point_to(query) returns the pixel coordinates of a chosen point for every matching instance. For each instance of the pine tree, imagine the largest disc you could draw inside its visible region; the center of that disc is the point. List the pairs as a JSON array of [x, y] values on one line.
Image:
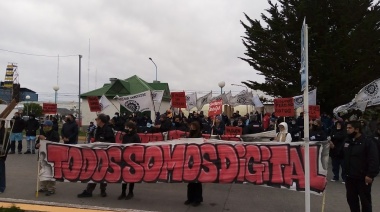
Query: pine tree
[[344, 45]]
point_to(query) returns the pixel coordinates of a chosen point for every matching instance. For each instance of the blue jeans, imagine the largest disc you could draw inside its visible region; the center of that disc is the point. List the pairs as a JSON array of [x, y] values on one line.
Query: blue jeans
[[2, 175], [338, 163]]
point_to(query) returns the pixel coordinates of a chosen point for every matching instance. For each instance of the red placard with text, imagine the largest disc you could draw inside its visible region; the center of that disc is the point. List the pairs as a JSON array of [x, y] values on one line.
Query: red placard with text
[[314, 111], [233, 130], [49, 108], [284, 107], [178, 99], [93, 103], [215, 108]]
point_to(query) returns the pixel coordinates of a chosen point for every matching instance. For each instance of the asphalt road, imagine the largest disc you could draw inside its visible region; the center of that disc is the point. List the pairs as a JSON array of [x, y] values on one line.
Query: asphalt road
[[21, 171]]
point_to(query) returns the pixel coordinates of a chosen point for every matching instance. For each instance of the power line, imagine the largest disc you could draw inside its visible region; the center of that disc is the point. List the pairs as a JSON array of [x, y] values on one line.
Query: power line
[[37, 55]]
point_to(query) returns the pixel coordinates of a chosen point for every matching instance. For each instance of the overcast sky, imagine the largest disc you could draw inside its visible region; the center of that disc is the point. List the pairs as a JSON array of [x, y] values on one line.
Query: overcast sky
[[195, 44]]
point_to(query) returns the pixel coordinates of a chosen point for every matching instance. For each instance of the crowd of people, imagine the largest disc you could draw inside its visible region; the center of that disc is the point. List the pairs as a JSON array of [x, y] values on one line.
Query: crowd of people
[[354, 143]]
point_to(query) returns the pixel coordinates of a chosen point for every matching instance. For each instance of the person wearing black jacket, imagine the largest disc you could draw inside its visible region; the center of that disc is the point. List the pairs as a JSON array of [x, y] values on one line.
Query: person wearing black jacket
[[179, 125], [3, 155], [32, 125], [336, 140], [69, 131], [130, 137], [362, 165], [18, 126], [103, 133], [194, 190], [317, 133], [165, 124]]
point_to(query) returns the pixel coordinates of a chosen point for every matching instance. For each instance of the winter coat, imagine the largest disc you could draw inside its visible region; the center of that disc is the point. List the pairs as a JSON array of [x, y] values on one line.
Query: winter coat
[[284, 136], [32, 125], [70, 130]]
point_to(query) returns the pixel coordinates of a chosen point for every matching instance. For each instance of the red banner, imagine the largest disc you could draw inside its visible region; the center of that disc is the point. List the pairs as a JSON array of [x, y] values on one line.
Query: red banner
[[314, 112], [284, 107], [178, 99], [213, 161], [215, 108], [93, 103], [233, 130], [49, 108]]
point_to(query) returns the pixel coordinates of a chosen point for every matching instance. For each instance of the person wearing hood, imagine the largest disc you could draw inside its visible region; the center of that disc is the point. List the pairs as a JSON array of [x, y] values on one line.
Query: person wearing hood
[[294, 130], [69, 131], [283, 135]]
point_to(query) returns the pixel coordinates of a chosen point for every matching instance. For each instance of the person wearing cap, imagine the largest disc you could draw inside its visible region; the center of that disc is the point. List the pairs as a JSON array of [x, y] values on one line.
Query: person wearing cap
[[283, 135], [103, 133], [47, 182]]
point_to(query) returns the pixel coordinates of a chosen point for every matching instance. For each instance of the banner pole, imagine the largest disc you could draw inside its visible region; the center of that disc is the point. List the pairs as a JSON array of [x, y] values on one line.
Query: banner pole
[[306, 124]]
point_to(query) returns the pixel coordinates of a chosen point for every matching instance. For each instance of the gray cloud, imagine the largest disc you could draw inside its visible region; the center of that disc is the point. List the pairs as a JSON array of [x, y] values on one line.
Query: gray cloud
[[195, 44]]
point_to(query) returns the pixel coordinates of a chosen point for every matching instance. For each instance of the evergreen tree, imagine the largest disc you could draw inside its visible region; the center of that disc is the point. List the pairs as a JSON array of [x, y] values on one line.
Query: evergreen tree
[[344, 45]]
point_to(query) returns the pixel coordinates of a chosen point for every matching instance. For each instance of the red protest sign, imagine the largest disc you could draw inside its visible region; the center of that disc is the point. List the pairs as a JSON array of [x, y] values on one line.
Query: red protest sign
[[49, 108], [284, 107], [314, 111], [93, 103], [233, 130], [215, 108], [178, 99]]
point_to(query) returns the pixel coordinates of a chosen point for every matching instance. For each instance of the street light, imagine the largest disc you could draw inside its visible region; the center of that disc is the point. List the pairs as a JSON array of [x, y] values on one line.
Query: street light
[[221, 85], [154, 65], [55, 88], [27, 97], [246, 88]]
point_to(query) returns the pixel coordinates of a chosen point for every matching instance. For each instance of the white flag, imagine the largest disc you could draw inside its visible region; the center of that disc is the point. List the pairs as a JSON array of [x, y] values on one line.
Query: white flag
[[256, 101], [228, 97], [370, 93], [137, 102], [191, 101], [104, 102], [242, 98], [298, 100], [157, 96], [203, 100], [222, 97]]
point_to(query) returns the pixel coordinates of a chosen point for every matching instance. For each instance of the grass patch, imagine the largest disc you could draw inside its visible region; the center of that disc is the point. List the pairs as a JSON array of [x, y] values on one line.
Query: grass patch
[[11, 209]]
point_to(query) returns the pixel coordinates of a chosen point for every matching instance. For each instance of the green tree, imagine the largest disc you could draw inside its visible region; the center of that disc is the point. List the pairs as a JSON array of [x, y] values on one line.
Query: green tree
[[32, 108], [343, 48]]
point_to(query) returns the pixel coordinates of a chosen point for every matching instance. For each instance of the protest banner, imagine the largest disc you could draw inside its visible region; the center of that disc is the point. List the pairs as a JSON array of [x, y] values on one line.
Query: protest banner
[[178, 99], [284, 107], [233, 130], [215, 108], [93, 103], [314, 112], [49, 108], [187, 160], [139, 102]]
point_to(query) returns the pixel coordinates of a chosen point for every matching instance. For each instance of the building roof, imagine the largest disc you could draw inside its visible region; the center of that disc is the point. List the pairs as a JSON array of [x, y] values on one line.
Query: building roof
[[131, 85]]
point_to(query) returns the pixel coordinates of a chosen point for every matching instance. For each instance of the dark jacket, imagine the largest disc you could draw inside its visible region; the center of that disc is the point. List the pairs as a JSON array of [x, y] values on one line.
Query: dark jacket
[[3, 151], [337, 137], [131, 137], [52, 135], [317, 135], [32, 125], [70, 130], [165, 125], [104, 134], [18, 125], [218, 130], [253, 127], [361, 158]]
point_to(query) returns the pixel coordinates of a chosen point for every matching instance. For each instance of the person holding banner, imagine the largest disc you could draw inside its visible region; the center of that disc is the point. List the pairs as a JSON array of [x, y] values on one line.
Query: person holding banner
[[283, 135], [103, 133], [130, 137], [194, 190]]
